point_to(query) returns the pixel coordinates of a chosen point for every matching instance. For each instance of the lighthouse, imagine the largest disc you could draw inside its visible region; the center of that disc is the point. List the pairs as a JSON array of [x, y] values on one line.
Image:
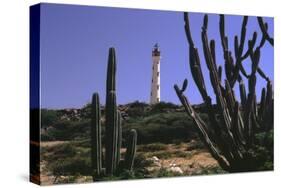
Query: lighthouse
[[155, 82]]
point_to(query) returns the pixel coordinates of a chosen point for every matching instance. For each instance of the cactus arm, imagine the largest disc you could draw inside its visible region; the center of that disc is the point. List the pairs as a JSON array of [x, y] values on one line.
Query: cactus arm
[[264, 31], [239, 47], [262, 74], [237, 126], [229, 97], [194, 60], [220, 72], [202, 130], [251, 44], [213, 51], [247, 54], [262, 42], [255, 114], [222, 35], [96, 154], [262, 105], [250, 48], [243, 96], [269, 106], [243, 35], [196, 71], [111, 71], [131, 150], [236, 46], [249, 110], [119, 140], [187, 30]]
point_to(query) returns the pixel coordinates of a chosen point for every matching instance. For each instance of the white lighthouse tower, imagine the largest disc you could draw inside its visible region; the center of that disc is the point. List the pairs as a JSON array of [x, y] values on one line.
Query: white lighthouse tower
[[155, 82]]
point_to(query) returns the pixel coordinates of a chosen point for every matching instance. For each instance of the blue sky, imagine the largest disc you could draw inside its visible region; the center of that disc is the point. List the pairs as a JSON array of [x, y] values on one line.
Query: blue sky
[[75, 42]]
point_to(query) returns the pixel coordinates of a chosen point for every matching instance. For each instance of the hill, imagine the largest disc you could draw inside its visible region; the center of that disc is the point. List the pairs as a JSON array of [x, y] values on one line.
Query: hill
[[162, 122]]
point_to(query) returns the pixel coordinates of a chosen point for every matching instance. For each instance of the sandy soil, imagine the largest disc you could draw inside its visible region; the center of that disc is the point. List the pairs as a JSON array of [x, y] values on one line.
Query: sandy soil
[[189, 159]]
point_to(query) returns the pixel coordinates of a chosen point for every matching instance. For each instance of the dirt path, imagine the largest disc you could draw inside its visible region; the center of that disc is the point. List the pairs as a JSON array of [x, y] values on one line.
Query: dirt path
[[52, 143], [46, 177]]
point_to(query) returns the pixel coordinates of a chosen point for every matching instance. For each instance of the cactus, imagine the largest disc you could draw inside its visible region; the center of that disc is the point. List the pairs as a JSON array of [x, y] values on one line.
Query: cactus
[[96, 134], [113, 131], [119, 144], [230, 134], [263, 27], [131, 150]]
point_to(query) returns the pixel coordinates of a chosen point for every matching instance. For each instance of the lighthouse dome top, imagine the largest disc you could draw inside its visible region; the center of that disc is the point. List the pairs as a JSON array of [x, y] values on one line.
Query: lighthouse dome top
[[156, 50]]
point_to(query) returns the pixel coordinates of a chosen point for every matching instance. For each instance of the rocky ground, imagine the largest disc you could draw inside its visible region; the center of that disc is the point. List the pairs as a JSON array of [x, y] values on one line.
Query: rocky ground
[[181, 159], [165, 160]]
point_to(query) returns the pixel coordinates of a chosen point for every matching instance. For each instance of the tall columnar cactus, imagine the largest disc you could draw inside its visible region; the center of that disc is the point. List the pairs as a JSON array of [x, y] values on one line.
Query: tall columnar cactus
[[113, 130], [230, 133], [111, 133], [96, 135]]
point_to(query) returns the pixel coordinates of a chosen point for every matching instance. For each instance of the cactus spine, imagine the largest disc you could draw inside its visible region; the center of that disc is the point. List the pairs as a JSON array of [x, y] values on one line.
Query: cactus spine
[[229, 137], [113, 130]]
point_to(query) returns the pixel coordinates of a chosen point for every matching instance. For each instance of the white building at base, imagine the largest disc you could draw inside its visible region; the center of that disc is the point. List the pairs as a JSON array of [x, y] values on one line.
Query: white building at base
[[155, 82]]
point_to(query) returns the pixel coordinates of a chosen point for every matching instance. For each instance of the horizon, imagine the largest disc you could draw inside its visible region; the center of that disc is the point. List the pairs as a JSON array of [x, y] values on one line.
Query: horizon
[[103, 105], [74, 49]]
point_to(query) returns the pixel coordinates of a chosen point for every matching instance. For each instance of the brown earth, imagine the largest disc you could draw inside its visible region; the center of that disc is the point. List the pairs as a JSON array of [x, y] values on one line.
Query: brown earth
[[191, 158]]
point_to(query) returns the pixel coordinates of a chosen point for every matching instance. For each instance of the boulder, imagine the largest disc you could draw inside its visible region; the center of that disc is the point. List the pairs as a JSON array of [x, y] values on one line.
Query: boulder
[[175, 169]]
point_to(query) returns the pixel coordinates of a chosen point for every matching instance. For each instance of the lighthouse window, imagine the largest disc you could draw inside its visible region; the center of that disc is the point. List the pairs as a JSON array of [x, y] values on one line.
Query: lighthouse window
[[157, 73], [152, 80], [157, 99], [157, 86]]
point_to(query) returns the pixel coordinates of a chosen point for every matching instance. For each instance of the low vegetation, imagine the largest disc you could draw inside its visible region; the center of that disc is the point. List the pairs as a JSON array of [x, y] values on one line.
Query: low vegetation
[[166, 140]]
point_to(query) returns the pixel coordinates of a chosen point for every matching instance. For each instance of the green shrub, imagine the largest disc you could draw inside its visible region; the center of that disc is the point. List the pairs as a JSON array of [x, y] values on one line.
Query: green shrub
[[163, 107], [157, 123], [49, 117], [59, 151], [141, 161], [46, 137], [137, 109], [263, 150], [163, 172], [69, 130], [71, 166], [162, 127], [182, 154], [195, 145], [209, 171]]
